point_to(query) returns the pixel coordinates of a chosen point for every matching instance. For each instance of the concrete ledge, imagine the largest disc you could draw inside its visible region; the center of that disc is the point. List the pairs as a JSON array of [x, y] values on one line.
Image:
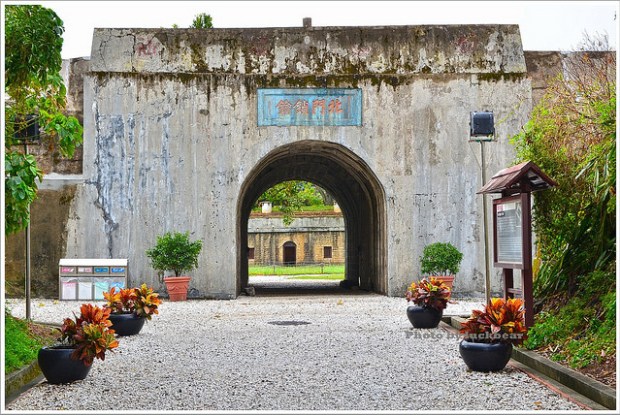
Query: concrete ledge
[[21, 380], [55, 181], [590, 388], [586, 386]]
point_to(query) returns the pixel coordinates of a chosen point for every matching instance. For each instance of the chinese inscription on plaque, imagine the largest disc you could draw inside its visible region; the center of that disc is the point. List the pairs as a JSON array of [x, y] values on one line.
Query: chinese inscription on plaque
[[310, 107]]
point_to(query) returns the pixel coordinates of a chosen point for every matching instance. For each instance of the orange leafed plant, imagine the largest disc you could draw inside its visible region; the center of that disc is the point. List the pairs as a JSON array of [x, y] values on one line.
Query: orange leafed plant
[[431, 293], [89, 334], [146, 302], [501, 321], [142, 301], [121, 301]]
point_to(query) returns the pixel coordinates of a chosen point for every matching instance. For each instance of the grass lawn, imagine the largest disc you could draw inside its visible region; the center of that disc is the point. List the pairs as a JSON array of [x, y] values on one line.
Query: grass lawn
[[305, 270], [319, 277]]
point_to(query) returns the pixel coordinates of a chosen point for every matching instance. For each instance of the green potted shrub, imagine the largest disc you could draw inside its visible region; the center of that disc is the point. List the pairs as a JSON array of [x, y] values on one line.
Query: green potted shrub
[[491, 333], [175, 252], [130, 308], [442, 261], [430, 297], [81, 341]]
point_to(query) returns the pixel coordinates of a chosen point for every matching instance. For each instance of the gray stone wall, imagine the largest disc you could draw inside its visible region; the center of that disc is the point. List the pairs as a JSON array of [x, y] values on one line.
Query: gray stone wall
[[172, 134]]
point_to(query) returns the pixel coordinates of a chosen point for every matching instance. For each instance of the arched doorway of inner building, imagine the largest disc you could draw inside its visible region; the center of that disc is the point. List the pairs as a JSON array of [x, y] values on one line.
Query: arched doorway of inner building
[[289, 253], [350, 180]]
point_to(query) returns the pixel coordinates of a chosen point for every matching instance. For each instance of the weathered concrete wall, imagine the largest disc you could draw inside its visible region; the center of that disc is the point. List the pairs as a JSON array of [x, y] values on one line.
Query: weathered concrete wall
[[398, 50], [268, 234], [542, 67], [49, 215], [171, 127]]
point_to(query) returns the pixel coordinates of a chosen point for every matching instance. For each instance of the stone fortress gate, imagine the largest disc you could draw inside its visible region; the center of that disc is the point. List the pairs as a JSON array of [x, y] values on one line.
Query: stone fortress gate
[[185, 128]]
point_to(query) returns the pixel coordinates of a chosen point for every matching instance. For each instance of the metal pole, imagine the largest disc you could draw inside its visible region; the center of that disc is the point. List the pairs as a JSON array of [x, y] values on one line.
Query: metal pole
[[485, 227], [28, 316], [27, 288]]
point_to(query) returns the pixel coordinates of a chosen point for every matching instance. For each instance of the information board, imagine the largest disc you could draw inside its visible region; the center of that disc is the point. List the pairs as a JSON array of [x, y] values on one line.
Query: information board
[[508, 231]]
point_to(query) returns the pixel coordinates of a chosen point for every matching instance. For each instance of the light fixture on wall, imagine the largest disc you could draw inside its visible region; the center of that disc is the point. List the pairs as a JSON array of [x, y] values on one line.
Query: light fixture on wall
[[482, 126]]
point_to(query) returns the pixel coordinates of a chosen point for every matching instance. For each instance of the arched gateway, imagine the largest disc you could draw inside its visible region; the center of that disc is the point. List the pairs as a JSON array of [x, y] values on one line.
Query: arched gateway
[[349, 179], [184, 128]]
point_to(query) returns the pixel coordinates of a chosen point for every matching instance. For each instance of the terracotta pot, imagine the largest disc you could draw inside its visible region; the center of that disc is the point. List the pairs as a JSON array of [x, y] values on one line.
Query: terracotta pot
[[58, 366], [447, 279], [177, 287], [126, 324], [424, 317]]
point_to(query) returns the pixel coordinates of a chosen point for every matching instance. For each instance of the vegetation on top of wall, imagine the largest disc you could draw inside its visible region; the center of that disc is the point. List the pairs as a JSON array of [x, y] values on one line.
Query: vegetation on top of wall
[[202, 21], [291, 196]]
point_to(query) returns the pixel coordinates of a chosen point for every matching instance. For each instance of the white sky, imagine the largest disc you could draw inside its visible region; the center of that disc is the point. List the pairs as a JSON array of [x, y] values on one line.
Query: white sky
[[545, 25]]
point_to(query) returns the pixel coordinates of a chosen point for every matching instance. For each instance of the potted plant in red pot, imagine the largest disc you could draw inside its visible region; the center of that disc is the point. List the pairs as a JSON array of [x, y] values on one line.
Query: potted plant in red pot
[[430, 297], [130, 308], [82, 340], [175, 252], [491, 333], [441, 260]]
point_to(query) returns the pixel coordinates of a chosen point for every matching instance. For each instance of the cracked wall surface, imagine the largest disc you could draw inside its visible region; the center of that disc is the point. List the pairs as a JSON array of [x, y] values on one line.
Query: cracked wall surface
[[171, 135]]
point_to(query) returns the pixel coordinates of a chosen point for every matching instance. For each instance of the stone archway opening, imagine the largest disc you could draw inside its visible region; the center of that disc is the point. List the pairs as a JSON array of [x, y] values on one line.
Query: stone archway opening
[[352, 183]]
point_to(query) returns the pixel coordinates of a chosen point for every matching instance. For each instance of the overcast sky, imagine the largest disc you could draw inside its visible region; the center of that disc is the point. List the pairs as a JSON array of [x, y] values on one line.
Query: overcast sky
[[556, 25]]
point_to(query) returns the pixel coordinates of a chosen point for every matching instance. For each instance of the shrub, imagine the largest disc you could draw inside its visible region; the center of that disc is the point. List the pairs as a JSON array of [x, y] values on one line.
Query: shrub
[[175, 252], [440, 258]]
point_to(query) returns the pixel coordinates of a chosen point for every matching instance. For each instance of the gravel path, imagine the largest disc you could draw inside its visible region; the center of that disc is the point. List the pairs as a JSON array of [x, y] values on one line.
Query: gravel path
[[358, 352]]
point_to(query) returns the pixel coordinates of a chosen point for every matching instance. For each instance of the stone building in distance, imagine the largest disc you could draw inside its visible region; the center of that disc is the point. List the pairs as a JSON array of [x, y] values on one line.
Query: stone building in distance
[[311, 239]]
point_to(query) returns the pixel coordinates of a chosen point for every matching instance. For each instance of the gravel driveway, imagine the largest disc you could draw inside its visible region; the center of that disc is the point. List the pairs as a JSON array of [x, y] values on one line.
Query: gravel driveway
[[283, 352]]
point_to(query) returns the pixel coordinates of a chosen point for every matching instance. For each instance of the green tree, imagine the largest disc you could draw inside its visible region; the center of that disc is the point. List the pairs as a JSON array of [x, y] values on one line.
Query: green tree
[[33, 42], [572, 137], [202, 21], [290, 196]]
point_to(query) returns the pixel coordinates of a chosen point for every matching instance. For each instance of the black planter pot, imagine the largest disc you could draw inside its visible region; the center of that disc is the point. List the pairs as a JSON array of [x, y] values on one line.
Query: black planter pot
[[58, 366], [126, 324], [485, 357], [423, 317]]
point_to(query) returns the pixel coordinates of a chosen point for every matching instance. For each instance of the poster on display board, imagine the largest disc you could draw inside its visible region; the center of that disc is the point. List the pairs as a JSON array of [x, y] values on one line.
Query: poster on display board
[[508, 241]]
